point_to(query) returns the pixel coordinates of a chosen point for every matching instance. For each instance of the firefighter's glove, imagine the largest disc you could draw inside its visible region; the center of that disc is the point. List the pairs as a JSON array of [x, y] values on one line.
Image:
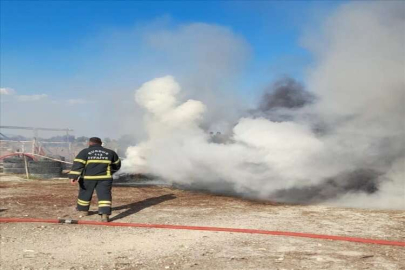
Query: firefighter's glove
[[74, 181]]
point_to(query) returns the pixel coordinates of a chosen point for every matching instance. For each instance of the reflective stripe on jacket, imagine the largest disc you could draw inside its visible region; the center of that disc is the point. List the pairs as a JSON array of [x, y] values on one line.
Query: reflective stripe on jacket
[[95, 163]]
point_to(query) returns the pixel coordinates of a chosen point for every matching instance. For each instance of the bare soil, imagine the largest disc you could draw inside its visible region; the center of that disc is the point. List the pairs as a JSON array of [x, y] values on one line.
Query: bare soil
[[62, 246]]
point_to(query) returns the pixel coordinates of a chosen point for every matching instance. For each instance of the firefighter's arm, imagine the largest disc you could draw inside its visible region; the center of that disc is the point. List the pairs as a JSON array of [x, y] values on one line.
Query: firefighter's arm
[[78, 165], [116, 163]]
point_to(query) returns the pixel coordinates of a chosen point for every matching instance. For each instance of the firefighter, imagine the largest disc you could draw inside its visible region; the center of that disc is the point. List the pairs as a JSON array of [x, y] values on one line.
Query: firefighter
[[93, 168]]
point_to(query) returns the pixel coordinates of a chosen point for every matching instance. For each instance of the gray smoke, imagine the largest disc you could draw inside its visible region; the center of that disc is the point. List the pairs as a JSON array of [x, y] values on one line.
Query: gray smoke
[[285, 93], [282, 100], [358, 181], [357, 158]]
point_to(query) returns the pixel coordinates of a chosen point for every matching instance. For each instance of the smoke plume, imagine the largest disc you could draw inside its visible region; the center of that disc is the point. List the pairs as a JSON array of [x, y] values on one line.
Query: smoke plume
[[282, 100], [286, 93], [357, 159]]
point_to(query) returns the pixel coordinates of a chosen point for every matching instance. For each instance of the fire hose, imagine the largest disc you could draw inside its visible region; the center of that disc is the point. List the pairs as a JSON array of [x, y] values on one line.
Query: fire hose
[[200, 228], [197, 228]]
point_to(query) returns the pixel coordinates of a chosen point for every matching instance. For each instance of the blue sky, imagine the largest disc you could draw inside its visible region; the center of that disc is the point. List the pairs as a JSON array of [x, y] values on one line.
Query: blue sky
[[74, 53]]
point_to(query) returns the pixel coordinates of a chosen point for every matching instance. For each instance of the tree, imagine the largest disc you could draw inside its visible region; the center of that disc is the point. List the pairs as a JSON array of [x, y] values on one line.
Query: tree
[[82, 139]]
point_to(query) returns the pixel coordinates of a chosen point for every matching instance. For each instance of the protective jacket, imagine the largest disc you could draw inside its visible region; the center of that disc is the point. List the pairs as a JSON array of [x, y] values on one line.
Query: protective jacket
[[95, 163]]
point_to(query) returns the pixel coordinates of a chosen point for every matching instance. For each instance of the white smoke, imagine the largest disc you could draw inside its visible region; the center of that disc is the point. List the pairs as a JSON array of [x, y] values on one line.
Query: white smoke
[[207, 59], [360, 80], [360, 84]]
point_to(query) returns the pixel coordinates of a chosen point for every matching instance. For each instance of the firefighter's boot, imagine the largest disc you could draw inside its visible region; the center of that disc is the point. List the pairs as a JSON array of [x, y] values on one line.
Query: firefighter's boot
[[84, 214], [105, 218]]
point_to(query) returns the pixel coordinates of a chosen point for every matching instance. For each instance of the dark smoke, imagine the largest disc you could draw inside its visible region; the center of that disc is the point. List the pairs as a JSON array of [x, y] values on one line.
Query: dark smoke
[[285, 93], [281, 102], [344, 143], [357, 181], [282, 99]]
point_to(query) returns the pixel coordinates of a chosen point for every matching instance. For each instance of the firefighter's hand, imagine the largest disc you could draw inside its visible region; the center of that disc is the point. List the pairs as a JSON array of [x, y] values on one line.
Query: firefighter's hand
[[74, 181]]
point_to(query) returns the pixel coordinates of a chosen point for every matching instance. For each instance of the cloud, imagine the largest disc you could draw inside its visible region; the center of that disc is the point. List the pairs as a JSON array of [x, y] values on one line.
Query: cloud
[[77, 101], [27, 98], [23, 98], [7, 91]]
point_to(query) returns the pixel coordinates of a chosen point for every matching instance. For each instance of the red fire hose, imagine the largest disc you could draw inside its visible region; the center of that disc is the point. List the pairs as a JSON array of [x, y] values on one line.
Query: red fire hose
[[212, 229]]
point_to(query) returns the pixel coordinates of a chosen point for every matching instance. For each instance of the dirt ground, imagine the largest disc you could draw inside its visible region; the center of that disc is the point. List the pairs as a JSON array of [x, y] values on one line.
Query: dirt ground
[[62, 246]]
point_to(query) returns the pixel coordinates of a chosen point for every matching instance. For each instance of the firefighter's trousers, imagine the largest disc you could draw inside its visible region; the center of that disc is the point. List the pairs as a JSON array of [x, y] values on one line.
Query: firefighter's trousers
[[103, 190]]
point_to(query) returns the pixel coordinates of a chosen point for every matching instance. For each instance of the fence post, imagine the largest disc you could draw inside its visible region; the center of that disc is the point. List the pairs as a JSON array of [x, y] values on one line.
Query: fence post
[[26, 166]]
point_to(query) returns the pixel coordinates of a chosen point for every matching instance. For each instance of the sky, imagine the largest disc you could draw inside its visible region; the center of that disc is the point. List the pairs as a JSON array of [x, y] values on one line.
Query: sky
[[76, 64]]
